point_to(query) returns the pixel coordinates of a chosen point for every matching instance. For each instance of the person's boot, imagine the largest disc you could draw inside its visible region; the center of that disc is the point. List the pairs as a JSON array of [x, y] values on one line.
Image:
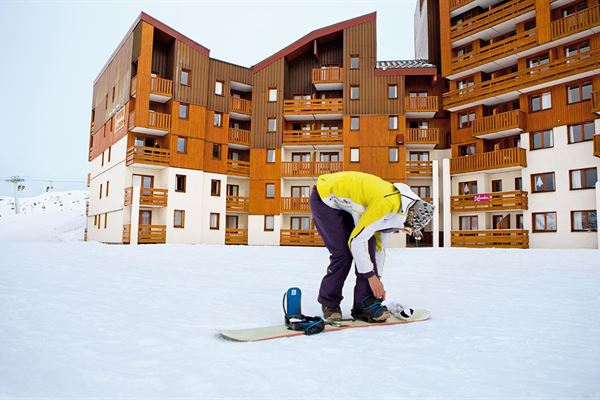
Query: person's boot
[[370, 310], [332, 313]]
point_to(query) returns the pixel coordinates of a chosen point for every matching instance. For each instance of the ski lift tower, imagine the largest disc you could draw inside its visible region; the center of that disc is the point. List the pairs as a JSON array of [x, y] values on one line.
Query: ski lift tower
[[17, 183]]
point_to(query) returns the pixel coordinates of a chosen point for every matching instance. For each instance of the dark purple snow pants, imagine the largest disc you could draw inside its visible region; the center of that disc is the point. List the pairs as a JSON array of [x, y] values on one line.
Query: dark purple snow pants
[[335, 227]]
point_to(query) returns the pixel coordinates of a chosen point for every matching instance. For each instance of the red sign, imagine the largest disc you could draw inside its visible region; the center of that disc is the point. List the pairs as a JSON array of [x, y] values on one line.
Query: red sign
[[482, 197]]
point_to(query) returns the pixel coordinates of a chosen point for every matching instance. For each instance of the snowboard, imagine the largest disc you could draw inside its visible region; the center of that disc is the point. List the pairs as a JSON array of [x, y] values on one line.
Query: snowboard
[[281, 331]]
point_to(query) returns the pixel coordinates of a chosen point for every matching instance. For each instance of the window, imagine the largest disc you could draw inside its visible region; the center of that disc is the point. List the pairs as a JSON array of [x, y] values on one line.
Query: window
[[233, 190], [542, 182], [584, 221], [329, 156], [519, 221], [109, 152], [468, 223], [269, 223], [105, 220], [216, 152], [570, 10], [464, 85], [270, 156], [577, 48], [393, 154], [181, 145], [106, 102], [300, 157], [500, 222], [219, 88], [102, 159], [585, 178], [541, 140], [300, 191], [354, 155], [581, 132], [114, 89], [100, 191], [215, 187], [538, 60], [518, 183], [271, 125], [418, 156], [497, 185], [580, 92], [467, 150], [392, 91], [354, 62], [354, 92], [467, 187], [180, 183], [107, 183], [466, 119], [272, 95], [423, 192], [354, 123], [270, 190], [183, 110], [214, 221], [393, 122], [185, 77], [544, 222], [541, 101], [178, 218], [218, 119], [463, 50], [299, 223]]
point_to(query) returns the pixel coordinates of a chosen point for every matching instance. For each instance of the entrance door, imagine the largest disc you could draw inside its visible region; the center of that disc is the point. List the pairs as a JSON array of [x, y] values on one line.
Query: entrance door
[[145, 217], [145, 182]]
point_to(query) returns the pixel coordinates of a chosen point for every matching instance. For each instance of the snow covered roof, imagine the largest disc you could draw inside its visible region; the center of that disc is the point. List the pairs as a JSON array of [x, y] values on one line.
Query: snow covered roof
[[403, 64]]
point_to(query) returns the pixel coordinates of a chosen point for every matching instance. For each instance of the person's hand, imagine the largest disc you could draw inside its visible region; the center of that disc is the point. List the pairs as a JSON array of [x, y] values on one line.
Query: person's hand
[[377, 287]]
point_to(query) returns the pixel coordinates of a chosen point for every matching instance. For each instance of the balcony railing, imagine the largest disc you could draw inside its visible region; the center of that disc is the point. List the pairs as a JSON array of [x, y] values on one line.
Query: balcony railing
[[597, 145], [309, 237], [511, 121], [494, 51], [454, 4], [148, 155], [423, 136], [126, 233], [419, 168], [133, 86], [150, 197], [237, 203], [310, 168], [236, 236], [159, 120], [421, 104], [507, 238], [315, 106], [327, 75], [577, 22], [543, 74], [237, 167], [241, 106], [161, 86], [491, 18], [512, 200], [596, 102], [295, 204], [513, 157], [326, 136], [239, 136], [146, 234]]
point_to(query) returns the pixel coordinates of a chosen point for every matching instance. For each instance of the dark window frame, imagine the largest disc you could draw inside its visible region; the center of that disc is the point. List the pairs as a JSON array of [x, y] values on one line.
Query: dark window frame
[[545, 213], [543, 175]]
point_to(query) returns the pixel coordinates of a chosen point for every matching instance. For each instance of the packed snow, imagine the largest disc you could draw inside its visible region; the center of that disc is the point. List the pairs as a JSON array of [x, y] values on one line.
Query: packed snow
[[83, 320]]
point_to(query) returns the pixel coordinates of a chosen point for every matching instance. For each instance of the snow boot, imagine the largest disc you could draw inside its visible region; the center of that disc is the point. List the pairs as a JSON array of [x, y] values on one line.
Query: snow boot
[[370, 309], [332, 313]]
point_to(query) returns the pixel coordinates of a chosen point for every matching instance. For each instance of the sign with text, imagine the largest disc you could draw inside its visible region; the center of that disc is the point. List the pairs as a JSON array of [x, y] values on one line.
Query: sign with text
[[482, 197]]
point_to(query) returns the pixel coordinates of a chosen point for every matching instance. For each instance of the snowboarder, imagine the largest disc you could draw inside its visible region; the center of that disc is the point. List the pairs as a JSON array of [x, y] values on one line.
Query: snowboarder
[[354, 213]]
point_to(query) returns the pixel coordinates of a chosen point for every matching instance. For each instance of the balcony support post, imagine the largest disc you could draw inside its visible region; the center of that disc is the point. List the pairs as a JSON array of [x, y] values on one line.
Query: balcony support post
[[436, 202], [446, 193], [135, 213]]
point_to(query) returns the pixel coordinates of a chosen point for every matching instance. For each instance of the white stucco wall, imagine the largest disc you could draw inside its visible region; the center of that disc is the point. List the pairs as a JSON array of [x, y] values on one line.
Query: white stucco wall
[[257, 234]]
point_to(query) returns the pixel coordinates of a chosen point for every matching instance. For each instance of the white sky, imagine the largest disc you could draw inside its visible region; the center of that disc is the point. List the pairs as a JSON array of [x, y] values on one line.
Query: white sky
[[52, 52]]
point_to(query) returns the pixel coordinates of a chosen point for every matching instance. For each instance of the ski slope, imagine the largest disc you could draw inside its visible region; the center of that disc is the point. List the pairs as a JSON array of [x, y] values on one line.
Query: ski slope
[[85, 320]]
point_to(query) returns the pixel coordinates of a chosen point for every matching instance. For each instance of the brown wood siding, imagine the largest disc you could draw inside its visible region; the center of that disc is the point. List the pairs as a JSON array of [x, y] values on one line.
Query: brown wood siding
[[262, 173], [269, 77], [298, 75], [160, 60], [137, 42], [445, 45], [374, 160], [225, 72], [198, 63], [192, 128]]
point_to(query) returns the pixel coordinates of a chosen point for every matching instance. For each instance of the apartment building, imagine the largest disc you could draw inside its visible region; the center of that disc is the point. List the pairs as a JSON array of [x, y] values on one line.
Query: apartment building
[[523, 96], [185, 148]]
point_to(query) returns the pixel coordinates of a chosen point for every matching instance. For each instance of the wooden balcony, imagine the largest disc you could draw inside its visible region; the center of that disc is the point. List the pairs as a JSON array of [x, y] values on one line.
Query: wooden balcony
[[302, 137], [505, 238], [597, 145], [146, 234], [494, 51], [596, 102], [85, 235], [499, 125], [575, 23], [133, 86], [239, 136], [454, 4], [495, 201], [236, 236], [508, 158], [126, 233], [316, 109], [583, 64], [241, 106], [237, 167], [237, 204], [159, 124], [160, 121], [309, 237], [295, 204], [418, 169], [423, 136], [149, 156], [161, 90], [149, 197], [89, 178], [494, 16], [310, 168], [420, 106], [87, 208], [328, 78]]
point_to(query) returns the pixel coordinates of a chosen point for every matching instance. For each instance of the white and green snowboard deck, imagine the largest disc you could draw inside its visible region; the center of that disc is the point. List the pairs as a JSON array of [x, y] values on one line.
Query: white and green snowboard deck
[[281, 331]]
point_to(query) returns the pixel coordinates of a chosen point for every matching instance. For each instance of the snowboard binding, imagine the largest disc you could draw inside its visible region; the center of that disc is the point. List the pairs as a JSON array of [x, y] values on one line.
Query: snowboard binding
[[294, 319]]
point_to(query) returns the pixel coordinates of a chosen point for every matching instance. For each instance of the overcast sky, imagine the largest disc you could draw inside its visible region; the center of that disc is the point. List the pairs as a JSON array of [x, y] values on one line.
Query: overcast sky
[[52, 52]]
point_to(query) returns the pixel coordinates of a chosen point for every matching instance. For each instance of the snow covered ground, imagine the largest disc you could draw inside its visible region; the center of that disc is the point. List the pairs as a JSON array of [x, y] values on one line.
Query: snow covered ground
[[85, 320]]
